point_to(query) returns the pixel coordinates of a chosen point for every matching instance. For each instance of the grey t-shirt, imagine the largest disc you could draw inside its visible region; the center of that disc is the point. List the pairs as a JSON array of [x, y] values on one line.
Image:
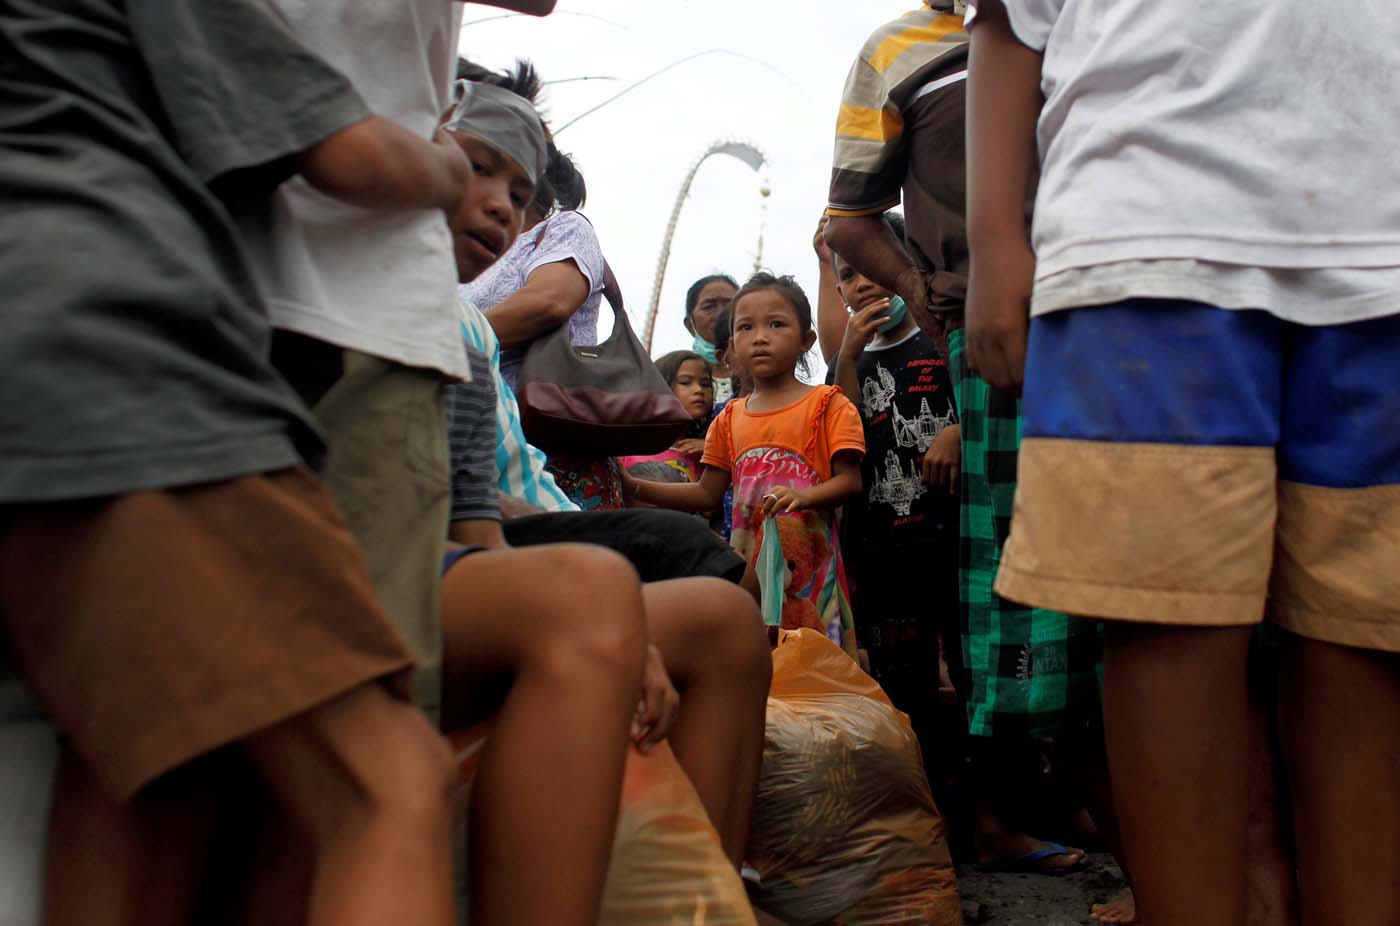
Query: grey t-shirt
[[134, 348]]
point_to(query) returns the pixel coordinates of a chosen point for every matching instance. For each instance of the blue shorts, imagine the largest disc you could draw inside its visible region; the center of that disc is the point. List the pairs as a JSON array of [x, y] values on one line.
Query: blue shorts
[[455, 555], [1183, 464]]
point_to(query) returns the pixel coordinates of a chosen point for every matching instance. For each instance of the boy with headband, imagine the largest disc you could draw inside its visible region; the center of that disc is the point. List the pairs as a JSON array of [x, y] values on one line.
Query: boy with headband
[[571, 685]]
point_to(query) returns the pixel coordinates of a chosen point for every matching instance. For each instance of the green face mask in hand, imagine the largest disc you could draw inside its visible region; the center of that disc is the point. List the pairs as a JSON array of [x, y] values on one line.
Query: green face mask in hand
[[895, 315], [773, 574]]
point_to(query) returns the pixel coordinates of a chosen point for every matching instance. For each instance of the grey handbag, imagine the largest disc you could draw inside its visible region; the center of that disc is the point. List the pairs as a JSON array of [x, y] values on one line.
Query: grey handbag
[[599, 401]]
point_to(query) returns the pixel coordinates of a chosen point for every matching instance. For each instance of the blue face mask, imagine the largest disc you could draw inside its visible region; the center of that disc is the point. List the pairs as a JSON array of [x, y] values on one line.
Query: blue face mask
[[895, 315], [704, 349]]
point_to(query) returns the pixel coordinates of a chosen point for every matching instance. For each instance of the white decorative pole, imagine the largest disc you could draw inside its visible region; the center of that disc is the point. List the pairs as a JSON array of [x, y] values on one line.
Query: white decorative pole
[[743, 151], [764, 191]]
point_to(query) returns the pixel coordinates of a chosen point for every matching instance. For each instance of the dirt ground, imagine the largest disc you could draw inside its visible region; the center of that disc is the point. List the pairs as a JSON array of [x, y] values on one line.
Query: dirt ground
[[1037, 900]]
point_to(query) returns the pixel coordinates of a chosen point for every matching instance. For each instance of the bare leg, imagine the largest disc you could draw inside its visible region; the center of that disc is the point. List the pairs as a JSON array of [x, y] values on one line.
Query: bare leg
[[1091, 766], [379, 823], [1175, 715], [1088, 764], [749, 583], [558, 632], [995, 843], [1272, 880], [137, 863], [716, 652], [368, 779], [1341, 723], [995, 776], [1118, 910]]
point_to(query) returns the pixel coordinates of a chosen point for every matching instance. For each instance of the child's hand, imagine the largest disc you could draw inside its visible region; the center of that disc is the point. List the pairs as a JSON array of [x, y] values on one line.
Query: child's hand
[[943, 460], [819, 242], [689, 445], [861, 328], [784, 499], [630, 488], [998, 311], [656, 713]]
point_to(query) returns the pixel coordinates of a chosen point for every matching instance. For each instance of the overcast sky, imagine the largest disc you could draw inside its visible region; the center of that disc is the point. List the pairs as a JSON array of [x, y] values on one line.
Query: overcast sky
[[635, 152]]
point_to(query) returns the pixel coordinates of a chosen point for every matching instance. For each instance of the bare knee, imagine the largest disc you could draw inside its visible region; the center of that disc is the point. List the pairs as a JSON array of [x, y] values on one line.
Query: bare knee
[[736, 621], [716, 623], [364, 759], [413, 771], [746, 636], [590, 615]]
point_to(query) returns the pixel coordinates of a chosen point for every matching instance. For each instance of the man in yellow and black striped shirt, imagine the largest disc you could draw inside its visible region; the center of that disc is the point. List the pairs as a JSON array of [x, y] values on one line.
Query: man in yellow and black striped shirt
[[899, 137]]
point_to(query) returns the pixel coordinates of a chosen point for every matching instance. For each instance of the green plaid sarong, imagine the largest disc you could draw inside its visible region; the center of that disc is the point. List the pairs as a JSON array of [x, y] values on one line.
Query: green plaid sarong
[[1027, 671]]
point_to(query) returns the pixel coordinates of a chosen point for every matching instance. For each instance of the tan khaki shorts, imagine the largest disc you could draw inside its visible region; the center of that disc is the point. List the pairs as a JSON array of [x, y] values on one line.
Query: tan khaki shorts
[[1188, 465]]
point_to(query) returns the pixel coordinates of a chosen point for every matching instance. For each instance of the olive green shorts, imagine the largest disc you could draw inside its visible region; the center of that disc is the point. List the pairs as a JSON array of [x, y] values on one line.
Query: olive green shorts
[[389, 471]]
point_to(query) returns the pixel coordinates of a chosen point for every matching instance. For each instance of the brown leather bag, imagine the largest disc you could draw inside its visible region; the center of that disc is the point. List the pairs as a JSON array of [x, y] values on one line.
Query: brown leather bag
[[601, 401]]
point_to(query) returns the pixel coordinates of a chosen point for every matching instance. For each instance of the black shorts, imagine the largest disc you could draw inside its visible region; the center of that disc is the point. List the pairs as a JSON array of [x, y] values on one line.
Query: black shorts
[[659, 544]]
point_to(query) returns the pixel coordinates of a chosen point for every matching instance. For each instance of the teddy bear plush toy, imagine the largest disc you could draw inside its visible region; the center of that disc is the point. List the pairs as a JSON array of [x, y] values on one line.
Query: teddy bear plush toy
[[805, 551]]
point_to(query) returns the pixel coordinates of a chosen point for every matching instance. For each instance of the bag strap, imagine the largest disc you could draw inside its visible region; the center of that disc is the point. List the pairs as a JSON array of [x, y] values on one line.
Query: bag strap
[[612, 291]]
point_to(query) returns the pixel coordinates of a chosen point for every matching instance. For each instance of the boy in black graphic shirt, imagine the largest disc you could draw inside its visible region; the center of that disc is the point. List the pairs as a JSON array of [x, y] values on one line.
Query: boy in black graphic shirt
[[904, 532]]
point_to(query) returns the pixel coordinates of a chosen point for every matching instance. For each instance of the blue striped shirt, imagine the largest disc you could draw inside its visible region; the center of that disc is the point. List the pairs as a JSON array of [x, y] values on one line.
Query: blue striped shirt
[[519, 466]]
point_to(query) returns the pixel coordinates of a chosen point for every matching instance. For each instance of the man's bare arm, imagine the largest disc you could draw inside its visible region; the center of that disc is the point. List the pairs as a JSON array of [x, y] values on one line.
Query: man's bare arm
[[1003, 106], [868, 244], [378, 164], [831, 308]]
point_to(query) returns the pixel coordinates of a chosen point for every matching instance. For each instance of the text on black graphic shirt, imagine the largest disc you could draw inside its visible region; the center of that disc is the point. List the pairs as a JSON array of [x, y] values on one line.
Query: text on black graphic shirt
[[905, 400]]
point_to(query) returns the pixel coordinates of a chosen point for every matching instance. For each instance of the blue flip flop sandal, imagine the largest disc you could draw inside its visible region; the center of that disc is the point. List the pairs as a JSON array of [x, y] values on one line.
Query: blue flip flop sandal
[[1030, 862]]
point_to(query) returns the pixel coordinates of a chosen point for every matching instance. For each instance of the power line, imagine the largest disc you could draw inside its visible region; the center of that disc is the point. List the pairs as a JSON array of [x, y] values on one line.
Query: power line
[[601, 19], [675, 64]]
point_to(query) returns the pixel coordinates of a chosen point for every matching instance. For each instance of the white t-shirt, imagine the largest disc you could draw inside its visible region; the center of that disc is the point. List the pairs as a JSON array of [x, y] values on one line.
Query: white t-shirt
[[383, 283], [1218, 136]]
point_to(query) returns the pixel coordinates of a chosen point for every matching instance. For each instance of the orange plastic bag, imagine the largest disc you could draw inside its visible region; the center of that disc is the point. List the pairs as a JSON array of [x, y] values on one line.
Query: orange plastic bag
[[667, 867], [845, 830]]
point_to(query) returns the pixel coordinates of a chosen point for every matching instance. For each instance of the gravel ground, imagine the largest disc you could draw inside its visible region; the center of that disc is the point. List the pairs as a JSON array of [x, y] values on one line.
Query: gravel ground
[[1037, 900]]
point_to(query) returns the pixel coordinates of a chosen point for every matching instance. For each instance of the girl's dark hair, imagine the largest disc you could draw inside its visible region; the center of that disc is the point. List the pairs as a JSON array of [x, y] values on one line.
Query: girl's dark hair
[[724, 327], [561, 185], [669, 365], [787, 287], [692, 295]]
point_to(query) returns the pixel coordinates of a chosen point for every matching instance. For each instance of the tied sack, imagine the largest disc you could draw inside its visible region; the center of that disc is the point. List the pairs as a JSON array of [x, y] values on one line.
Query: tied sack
[[845, 830], [667, 866], [597, 401]]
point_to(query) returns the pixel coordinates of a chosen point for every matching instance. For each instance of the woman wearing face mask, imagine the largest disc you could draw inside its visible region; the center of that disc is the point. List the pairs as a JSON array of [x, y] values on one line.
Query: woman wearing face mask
[[704, 300]]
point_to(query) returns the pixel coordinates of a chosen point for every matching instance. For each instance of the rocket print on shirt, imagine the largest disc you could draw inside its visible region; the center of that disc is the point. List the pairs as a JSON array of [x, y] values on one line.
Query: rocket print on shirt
[[906, 401], [876, 397], [895, 487], [920, 432]]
